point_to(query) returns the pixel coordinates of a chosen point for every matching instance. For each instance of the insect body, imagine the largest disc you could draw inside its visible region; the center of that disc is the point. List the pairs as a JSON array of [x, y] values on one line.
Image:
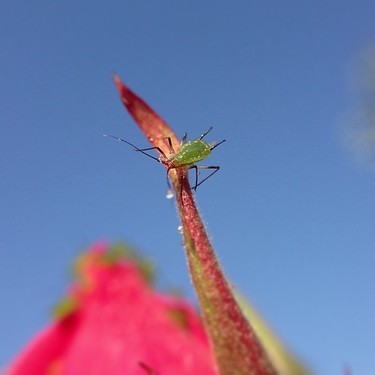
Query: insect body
[[191, 152], [188, 154]]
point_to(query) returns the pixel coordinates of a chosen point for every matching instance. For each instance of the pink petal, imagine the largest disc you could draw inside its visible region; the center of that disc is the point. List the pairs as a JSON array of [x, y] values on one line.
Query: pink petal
[[120, 327]]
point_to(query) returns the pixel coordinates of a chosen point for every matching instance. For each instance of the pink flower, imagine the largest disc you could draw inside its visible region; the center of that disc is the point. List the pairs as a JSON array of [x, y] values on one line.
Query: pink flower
[[112, 322]]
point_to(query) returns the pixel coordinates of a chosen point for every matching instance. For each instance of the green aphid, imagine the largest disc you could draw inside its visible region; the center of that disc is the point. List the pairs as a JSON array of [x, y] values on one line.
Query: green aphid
[[189, 153]]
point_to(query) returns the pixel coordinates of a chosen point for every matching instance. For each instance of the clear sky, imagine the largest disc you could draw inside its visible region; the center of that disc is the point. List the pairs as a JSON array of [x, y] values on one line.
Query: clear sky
[[291, 212]]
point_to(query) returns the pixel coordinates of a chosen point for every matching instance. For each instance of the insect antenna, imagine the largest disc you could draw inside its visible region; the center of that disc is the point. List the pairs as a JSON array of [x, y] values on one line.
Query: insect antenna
[[142, 150]]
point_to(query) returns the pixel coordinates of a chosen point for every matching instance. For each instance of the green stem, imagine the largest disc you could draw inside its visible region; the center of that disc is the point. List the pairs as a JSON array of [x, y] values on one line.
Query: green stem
[[237, 349]]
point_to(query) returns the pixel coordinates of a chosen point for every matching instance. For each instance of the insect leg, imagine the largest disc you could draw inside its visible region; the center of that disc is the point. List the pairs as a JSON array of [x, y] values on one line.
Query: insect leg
[[170, 145], [196, 175], [168, 182], [184, 138], [197, 168]]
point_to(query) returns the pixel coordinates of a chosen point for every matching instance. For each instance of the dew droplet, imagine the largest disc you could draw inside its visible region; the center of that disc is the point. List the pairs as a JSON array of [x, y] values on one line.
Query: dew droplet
[[170, 194], [180, 228]]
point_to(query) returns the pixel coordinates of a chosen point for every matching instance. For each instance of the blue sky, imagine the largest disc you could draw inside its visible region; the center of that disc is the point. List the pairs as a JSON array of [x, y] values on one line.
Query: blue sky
[[291, 212]]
